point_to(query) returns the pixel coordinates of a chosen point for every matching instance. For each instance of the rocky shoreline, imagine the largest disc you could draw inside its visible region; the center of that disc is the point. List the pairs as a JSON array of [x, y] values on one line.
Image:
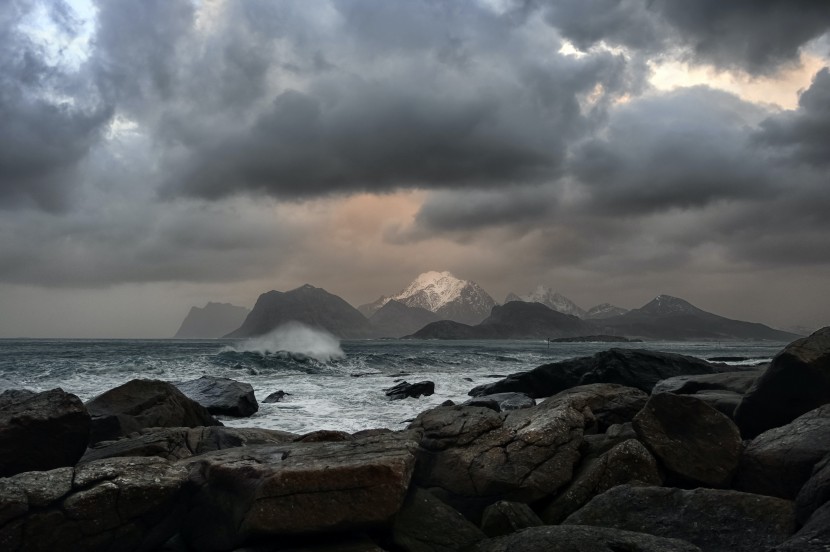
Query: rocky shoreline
[[623, 450]]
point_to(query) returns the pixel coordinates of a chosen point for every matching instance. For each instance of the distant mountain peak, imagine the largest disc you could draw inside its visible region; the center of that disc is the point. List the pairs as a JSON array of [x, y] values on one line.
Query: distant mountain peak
[[666, 304], [548, 297], [604, 310], [441, 293]]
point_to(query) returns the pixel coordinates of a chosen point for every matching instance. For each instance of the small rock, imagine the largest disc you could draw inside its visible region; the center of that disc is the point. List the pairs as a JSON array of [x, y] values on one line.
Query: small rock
[[425, 524], [503, 518], [276, 396], [502, 402], [414, 390], [221, 395]]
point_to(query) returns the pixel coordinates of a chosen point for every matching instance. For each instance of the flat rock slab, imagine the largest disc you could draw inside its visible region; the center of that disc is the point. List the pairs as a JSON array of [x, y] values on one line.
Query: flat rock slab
[[139, 404], [796, 381], [177, 443], [41, 431], [715, 520], [108, 505], [694, 442], [221, 395], [780, 461], [735, 382], [502, 402], [297, 488], [574, 538], [521, 455]]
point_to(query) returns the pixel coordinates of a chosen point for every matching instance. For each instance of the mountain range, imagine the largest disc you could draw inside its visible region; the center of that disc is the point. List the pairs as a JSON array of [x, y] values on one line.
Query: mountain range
[[437, 305], [211, 321]]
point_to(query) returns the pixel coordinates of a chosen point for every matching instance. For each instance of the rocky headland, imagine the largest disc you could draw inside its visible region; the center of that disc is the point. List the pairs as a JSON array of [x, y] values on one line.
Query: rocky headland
[[624, 450]]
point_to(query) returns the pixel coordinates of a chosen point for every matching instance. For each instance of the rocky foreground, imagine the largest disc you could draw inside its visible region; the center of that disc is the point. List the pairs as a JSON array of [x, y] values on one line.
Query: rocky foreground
[[622, 451]]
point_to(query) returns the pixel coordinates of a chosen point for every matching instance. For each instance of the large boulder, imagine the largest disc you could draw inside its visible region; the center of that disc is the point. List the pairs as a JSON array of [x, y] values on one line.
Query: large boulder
[[476, 453], [426, 524], [115, 504], [610, 403], [41, 431], [779, 462], [716, 520], [629, 367], [797, 381], [695, 443], [263, 491], [815, 492], [813, 537], [141, 403], [221, 395], [177, 443], [627, 462], [574, 538]]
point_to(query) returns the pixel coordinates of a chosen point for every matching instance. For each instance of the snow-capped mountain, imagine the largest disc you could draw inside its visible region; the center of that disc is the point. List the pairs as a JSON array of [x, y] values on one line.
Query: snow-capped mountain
[[605, 310], [444, 294], [666, 304], [548, 297]]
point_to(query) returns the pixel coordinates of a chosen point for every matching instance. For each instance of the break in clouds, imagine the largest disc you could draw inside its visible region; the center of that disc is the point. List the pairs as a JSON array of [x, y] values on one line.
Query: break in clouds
[[141, 141]]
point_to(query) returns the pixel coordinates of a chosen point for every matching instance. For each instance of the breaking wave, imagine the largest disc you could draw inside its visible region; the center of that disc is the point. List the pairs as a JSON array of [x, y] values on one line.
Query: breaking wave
[[296, 341]]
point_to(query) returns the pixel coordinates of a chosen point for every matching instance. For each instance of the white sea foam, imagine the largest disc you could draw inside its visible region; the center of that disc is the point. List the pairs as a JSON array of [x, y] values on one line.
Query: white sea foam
[[296, 338]]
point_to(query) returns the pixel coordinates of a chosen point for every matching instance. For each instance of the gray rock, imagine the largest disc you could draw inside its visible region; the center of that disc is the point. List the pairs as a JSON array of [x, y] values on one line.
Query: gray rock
[[297, 488], [503, 518], [425, 524], [735, 382], [414, 390], [221, 395], [815, 492], [502, 402], [625, 463], [780, 461], [716, 520], [41, 431], [176, 443], [629, 367], [276, 396], [473, 452], [797, 381], [107, 505], [813, 537], [609, 403], [139, 404], [573, 538], [695, 443]]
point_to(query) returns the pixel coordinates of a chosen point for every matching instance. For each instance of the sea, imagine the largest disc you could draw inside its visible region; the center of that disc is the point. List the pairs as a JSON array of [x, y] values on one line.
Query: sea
[[330, 384]]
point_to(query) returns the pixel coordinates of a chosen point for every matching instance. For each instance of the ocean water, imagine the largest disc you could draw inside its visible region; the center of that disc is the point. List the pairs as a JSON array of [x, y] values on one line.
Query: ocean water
[[331, 384]]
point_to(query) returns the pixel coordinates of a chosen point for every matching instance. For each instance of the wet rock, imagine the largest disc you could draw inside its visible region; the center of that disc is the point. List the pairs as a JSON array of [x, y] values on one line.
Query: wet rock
[[113, 504], [735, 382], [815, 493], [503, 518], [609, 403], [779, 462], [574, 538], [276, 396], [425, 524], [140, 404], [476, 453], [221, 395], [716, 520], [502, 402], [177, 443], [628, 367], [41, 431], [297, 488], [693, 442], [796, 381], [325, 435], [414, 390], [625, 463]]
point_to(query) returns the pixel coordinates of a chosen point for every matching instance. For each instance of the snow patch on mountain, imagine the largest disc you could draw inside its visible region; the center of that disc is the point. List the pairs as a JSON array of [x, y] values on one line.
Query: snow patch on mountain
[[546, 296], [604, 310]]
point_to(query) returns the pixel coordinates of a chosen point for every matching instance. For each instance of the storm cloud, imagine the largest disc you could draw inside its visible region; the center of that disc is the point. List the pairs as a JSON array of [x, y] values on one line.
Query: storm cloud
[[353, 143]]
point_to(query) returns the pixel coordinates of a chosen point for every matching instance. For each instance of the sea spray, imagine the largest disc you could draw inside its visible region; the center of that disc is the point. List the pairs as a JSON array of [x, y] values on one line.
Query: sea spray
[[295, 338]]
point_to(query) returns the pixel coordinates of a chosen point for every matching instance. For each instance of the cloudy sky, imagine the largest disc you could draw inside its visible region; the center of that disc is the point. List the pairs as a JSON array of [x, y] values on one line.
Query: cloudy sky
[[160, 154]]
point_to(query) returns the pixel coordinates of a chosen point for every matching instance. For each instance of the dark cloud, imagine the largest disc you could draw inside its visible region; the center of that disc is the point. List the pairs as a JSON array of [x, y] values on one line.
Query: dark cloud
[[752, 35], [50, 117], [802, 135]]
